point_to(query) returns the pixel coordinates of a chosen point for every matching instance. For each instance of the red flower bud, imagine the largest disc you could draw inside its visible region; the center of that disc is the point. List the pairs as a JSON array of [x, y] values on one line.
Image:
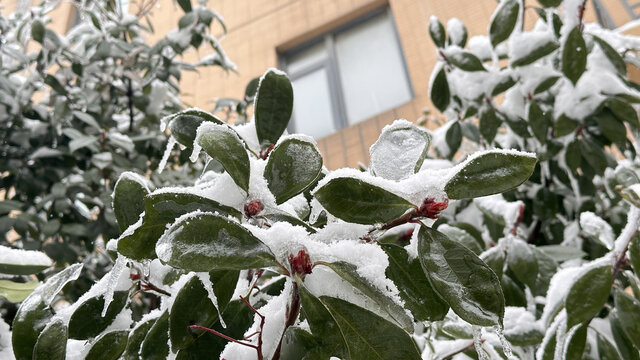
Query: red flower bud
[[252, 208], [265, 154], [431, 209], [300, 264]]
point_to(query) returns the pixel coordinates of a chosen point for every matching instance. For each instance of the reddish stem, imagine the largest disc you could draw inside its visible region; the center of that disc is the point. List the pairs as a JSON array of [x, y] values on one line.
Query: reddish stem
[[198, 327], [259, 347]]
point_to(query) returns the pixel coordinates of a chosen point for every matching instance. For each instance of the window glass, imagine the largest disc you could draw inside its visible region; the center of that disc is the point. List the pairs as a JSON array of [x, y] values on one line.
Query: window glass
[[371, 69], [308, 57], [312, 110]]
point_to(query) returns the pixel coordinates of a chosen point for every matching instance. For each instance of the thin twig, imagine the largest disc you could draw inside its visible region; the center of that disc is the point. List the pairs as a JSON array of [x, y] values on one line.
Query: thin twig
[[198, 327]]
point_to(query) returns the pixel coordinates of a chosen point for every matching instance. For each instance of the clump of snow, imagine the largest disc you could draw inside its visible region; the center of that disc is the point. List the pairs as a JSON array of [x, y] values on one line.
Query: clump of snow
[[595, 227], [480, 46], [517, 320], [398, 149], [19, 257], [133, 176], [118, 279], [456, 30], [498, 207], [521, 44], [6, 349], [171, 143], [248, 133], [208, 285]]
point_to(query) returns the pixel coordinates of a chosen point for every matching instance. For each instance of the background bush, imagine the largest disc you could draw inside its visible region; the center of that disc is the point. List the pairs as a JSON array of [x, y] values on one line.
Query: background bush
[[526, 248]]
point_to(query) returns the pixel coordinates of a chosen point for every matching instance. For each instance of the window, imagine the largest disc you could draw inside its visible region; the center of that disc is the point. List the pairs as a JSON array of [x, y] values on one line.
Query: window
[[348, 75]]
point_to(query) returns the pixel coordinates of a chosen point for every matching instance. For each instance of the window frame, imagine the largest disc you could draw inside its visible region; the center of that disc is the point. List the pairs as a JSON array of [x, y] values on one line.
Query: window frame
[[330, 64]]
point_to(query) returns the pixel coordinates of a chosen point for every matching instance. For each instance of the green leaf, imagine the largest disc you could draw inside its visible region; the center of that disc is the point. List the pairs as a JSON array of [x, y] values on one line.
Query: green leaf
[[276, 215], [23, 262], [612, 127], [489, 124], [457, 33], [588, 294], [273, 106], [399, 151], [505, 83], [494, 258], [539, 121], [534, 54], [574, 55], [466, 61], [464, 281], [439, 90], [184, 124], [415, 289], [224, 145], [575, 343], [614, 57], [573, 155], [53, 82], [356, 201], [87, 119], [453, 137], [191, 306], [251, 88], [361, 334], [550, 3], [187, 20], [461, 237], [185, 5], [156, 343], [606, 350], [522, 261], [87, 320], [293, 166], [299, 344], [128, 198], [594, 155], [436, 31], [136, 337], [162, 209], [34, 313], [205, 241], [629, 319], [490, 172], [237, 316], [503, 21], [79, 143], [564, 126], [349, 273], [625, 347], [108, 346], [37, 31], [16, 292], [52, 342], [624, 111], [546, 84], [562, 253], [634, 254]]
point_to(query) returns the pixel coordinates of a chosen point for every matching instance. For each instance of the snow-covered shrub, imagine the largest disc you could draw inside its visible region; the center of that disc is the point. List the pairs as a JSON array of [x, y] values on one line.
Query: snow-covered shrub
[[276, 257], [268, 255], [561, 242], [78, 109]]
